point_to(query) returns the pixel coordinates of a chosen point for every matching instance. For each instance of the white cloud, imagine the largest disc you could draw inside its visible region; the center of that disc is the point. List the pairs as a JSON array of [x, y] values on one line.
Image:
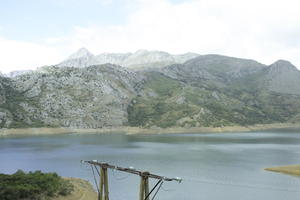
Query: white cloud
[[16, 55], [70, 3], [264, 30]]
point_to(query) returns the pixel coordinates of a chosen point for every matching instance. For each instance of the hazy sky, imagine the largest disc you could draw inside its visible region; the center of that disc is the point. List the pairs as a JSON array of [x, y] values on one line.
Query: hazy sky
[[43, 32]]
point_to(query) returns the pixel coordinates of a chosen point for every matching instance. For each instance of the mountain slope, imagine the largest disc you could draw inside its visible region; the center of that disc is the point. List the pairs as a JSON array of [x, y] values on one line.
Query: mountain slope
[[12, 113], [209, 90], [216, 90], [89, 97], [213, 68]]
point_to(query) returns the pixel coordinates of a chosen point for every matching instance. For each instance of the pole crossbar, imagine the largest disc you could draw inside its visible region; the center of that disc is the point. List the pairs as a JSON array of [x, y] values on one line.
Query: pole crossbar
[[133, 171], [144, 182]]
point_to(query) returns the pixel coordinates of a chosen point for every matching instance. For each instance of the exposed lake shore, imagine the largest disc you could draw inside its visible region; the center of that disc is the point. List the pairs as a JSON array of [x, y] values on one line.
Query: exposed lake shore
[[137, 130], [289, 169]]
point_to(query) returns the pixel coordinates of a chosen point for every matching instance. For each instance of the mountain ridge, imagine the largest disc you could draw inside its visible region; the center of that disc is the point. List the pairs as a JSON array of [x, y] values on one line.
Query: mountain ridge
[[138, 60], [205, 91]]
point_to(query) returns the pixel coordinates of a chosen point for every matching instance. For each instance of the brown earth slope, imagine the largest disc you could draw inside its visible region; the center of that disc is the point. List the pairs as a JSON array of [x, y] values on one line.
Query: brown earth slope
[[83, 190]]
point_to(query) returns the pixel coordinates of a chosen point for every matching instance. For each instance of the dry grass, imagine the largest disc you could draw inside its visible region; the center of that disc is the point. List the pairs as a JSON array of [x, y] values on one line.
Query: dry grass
[[290, 169], [83, 190]]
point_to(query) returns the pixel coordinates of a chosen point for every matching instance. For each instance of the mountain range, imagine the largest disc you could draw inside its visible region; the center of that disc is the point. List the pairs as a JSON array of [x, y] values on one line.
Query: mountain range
[[151, 89], [141, 59]]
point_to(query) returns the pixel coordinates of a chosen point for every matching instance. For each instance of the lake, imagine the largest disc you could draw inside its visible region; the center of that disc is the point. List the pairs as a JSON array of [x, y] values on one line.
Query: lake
[[212, 166]]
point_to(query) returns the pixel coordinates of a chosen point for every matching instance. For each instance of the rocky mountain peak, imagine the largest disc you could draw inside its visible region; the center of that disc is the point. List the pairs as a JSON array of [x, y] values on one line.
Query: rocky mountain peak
[[282, 65], [151, 55], [81, 53], [141, 51], [139, 60], [283, 77]]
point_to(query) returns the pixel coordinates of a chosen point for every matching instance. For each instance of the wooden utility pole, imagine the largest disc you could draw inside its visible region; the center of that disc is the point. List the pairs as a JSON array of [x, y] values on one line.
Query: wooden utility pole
[[144, 186], [103, 186], [100, 194], [144, 182]]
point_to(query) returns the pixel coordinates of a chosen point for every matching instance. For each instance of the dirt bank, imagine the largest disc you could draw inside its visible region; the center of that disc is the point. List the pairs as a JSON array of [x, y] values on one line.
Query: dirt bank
[[83, 190], [289, 169], [137, 130]]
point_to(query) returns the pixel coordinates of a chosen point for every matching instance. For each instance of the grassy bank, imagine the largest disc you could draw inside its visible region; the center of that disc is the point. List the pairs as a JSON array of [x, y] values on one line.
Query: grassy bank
[[290, 169], [83, 190], [137, 130]]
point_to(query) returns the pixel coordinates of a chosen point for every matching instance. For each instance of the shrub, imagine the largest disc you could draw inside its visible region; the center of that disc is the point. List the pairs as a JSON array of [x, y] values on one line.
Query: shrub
[[33, 185]]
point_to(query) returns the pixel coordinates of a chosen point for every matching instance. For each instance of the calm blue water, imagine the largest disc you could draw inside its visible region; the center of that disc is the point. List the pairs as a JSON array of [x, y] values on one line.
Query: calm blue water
[[213, 166]]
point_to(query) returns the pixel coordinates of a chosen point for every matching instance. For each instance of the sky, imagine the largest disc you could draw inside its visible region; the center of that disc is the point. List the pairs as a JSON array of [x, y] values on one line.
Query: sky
[[35, 33]]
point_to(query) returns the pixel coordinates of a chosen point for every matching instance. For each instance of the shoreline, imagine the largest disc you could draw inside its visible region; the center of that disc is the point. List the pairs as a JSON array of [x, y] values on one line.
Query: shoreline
[[288, 169], [138, 130]]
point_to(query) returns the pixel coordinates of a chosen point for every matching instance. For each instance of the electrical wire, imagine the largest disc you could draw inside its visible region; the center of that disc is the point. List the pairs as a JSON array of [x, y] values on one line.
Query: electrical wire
[[167, 190], [157, 189], [148, 195], [202, 181], [119, 178], [83, 166], [95, 179], [240, 185], [97, 171]]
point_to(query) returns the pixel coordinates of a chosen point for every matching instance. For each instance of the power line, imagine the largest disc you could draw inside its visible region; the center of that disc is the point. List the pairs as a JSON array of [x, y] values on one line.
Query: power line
[[240, 185], [144, 184], [132, 171], [95, 179], [153, 188], [119, 178], [157, 190], [167, 190], [97, 170]]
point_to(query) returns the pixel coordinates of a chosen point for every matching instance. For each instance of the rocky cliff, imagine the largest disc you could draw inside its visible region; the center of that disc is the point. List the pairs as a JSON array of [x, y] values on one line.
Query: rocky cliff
[[91, 97]]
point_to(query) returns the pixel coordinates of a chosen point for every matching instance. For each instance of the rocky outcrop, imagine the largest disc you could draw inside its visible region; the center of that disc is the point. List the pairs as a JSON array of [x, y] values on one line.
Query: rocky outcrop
[[92, 97], [2, 92], [81, 58], [5, 115], [6, 118], [283, 77]]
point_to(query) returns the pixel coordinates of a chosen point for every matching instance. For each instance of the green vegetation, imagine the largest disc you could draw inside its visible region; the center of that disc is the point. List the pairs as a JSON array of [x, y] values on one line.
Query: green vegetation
[[33, 185], [162, 85], [188, 105], [158, 111], [149, 113]]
